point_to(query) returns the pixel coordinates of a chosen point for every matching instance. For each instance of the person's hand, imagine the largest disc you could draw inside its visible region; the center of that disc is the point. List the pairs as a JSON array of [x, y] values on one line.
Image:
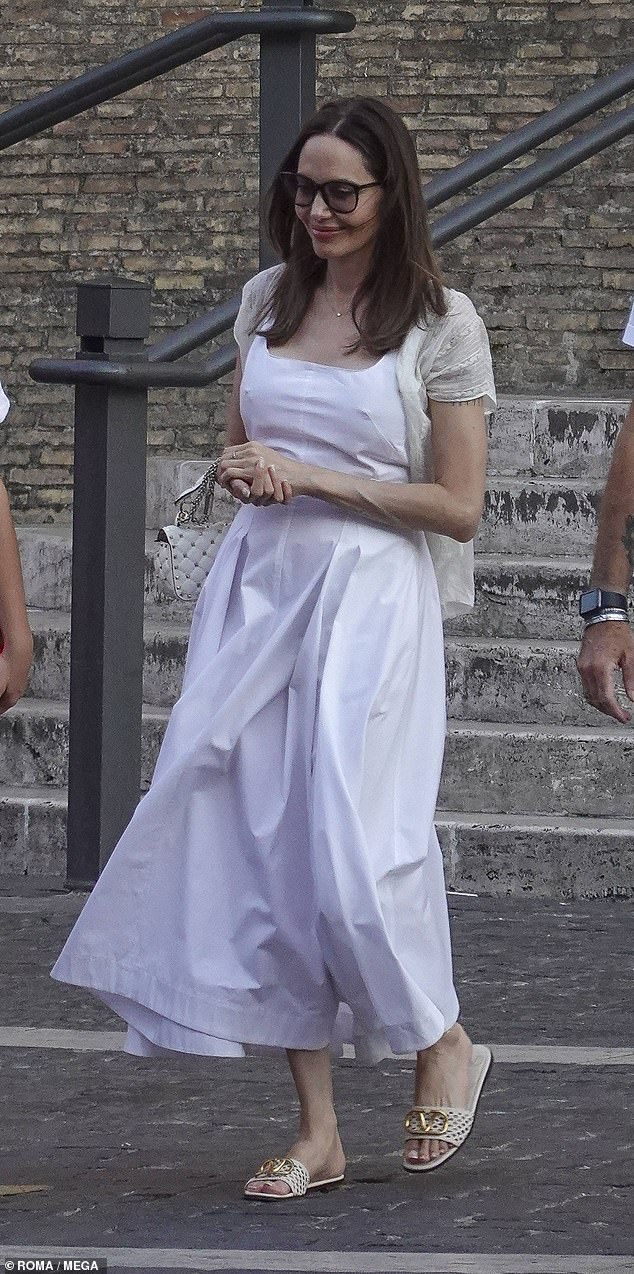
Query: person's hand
[[15, 662], [256, 474], [605, 649]]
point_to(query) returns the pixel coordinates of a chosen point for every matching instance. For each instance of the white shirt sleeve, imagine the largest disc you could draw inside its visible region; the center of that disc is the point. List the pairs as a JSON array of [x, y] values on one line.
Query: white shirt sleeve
[[628, 335], [4, 404]]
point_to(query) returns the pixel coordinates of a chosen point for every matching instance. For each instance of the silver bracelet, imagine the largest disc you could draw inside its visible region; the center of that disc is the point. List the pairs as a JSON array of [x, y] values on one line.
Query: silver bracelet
[[608, 616]]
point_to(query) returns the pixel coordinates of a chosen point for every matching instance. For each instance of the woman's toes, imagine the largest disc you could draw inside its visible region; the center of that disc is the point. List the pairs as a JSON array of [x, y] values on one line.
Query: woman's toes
[[417, 1151], [268, 1187], [438, 1148]]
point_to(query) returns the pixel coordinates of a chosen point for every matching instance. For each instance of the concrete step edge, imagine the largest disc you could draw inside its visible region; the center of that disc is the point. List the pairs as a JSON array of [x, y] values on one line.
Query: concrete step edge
[[564, 401], [516, 561], [151, 712], [530, 482], [56, 621], [446, 818], [34, 796], [518, 729], [577, 823], [42, 621]]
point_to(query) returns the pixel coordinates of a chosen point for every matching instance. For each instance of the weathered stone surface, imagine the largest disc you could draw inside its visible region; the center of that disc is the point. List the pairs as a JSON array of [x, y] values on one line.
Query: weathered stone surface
[[563, 437], [525, 680], [538, 857], [33, 831], [514, 769], [525, 597], [46, 566], [501, 855], [539, 517], [574, 439]]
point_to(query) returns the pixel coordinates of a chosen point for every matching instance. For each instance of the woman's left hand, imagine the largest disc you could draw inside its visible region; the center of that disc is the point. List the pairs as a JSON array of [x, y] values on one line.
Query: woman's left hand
[[269, 476]]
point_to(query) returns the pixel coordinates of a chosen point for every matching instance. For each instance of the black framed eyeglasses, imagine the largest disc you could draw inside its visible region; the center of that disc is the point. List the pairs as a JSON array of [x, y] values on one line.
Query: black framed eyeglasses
[[338, 196]]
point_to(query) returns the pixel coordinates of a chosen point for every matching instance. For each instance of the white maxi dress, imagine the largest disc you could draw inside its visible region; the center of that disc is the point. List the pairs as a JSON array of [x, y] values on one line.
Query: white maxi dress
[[281, 883]]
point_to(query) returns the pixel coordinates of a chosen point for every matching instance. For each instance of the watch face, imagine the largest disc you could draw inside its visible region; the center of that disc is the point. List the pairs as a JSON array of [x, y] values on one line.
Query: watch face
[[590, 601]]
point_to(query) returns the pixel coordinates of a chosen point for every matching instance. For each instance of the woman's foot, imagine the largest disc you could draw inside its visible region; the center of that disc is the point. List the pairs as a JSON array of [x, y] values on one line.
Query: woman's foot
[[442, 1079], [320, 1151]]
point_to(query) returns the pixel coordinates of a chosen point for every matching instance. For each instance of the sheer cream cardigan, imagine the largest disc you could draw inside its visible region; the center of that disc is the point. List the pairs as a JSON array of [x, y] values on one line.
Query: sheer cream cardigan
[[447, 359]]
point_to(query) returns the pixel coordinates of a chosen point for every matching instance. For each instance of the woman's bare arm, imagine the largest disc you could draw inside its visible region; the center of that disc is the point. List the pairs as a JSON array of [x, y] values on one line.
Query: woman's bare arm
[[451, 504], [235, 434]]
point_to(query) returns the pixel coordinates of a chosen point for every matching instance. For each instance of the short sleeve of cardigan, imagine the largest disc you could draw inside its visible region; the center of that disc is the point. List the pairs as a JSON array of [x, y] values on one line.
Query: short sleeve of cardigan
[[254, 294], [461, 367]]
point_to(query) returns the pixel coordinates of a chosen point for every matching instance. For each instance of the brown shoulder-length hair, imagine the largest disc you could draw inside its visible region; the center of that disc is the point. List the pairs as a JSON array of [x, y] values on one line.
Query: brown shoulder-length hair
[[404, 282]]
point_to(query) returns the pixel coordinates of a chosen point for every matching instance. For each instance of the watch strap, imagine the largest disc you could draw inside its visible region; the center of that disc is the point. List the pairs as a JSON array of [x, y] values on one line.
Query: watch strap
[[595, 600]]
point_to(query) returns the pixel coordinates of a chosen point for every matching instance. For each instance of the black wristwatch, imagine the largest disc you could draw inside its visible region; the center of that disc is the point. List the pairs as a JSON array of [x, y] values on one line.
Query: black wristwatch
[[596, 600]]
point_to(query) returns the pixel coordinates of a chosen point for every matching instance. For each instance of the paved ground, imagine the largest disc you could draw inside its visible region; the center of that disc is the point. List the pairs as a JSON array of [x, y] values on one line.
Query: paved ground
[[145, 1161]]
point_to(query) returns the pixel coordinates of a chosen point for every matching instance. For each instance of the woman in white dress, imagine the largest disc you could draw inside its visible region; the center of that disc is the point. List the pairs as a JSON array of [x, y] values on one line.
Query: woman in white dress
[[281, 883]]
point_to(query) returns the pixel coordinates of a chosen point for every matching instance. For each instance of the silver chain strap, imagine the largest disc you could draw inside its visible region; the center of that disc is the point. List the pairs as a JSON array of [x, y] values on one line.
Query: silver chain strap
[[201, 494]]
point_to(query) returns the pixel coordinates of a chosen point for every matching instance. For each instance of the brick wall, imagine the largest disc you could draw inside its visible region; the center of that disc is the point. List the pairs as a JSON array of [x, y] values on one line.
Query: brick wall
[[161, 185]]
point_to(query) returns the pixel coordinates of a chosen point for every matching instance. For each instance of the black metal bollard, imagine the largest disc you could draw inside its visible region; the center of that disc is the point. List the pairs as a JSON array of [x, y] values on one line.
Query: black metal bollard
[[287, 98], [108, 581]]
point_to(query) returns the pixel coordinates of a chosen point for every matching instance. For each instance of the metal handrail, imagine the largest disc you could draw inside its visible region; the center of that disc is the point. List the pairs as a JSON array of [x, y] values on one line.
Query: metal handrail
[[529, 179], [159, 371], [196, 333], [524, 139], [139, 67]]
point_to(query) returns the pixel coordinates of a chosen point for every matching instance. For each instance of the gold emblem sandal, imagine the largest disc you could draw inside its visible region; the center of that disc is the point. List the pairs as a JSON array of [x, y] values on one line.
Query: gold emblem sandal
[[432, 1123], [293, 1173]]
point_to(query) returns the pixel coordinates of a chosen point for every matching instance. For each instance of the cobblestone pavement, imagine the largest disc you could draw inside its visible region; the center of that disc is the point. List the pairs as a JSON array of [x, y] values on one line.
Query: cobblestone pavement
[[149, 1158]]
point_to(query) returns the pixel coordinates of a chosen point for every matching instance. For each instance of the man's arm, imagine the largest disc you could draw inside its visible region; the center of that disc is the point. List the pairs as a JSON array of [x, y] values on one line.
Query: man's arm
[[609, 646]]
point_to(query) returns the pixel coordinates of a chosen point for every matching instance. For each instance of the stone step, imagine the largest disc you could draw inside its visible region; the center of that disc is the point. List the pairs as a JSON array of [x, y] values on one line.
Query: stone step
[[527, 680], [554, 437], [525, 597], [531, 514], [497, 768], [504, 768], [33, 831], [164, 660], [488, 679], [484, 854], [532, 856], [539, 517], [46, 554]]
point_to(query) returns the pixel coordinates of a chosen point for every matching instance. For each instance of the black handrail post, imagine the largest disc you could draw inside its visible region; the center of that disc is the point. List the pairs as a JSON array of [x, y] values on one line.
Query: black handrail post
[[287, 98], [108, 581]]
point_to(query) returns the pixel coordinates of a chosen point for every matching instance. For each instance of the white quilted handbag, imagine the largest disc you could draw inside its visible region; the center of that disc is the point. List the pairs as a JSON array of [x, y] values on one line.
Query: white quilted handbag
[[187, 549]]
